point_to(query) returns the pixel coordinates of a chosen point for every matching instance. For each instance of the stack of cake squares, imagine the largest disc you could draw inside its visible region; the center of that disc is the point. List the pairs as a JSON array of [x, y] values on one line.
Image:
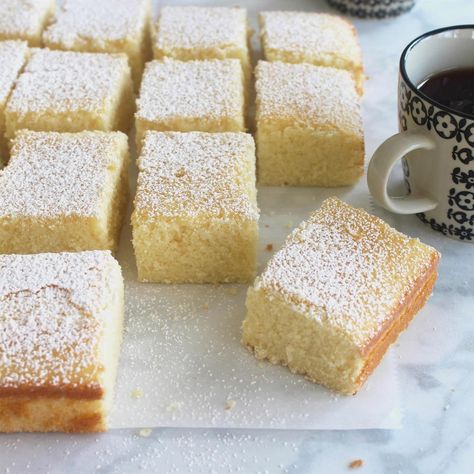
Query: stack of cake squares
[[308, 120], [65, 111], [195, 218]]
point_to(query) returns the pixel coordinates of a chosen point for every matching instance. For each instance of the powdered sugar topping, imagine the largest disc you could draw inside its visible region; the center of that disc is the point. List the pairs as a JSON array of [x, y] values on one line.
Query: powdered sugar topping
[[313, 35], [347, 269], [201, 27], [56, 82], [51, 317], [197, 174], [80, 21], [313, 95], [23, 18], [191, 89], [12, 58], [52, 175]]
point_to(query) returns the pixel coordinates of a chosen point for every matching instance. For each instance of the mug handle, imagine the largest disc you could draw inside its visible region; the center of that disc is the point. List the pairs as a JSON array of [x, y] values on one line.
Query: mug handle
[[381, 165]]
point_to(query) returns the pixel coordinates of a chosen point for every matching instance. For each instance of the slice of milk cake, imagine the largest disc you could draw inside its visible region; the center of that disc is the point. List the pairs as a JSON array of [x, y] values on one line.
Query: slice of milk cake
[[61, 320], [196, 218], [338, 293]]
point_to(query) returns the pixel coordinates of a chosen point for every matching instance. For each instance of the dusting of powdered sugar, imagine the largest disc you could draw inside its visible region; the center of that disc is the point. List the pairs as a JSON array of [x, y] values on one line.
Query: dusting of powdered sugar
[[22, 18], [310, 34], [51, 317], [347, 269], [197, 173], [52, 174], [80, 21], [317, 96], [191, 89], [12, 58], [65, 81], [192, 27]]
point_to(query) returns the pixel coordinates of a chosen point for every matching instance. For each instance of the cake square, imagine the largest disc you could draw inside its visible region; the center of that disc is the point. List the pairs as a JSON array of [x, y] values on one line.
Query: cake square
[[63, 192], [65, 91], [315, 38], [309, 126], [105, 26], [12, 58], [190, 32], [25, 19], [183, 96], [339, 292], [61, 320], [196, 218]]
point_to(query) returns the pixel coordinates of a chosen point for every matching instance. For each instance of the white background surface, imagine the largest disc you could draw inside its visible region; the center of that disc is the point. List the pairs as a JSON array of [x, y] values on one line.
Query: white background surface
[[435, 355]]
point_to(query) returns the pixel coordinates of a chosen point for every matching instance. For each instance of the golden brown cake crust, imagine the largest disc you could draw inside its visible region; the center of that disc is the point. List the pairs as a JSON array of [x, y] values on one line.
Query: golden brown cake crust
[[19, 413], [375, 349]]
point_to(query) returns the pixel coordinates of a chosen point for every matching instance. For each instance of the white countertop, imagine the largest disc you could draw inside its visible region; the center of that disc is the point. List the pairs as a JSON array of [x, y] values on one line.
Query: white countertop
[[437, 391]]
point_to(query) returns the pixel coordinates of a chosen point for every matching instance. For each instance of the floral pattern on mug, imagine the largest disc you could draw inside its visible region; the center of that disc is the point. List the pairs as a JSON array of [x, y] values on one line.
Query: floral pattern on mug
[[464, 155], [445, 125], [460, 199], [459, 177]]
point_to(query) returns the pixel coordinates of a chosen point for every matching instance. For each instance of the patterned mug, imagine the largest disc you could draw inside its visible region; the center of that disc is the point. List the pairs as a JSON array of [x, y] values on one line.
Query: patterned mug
[[435, 143]]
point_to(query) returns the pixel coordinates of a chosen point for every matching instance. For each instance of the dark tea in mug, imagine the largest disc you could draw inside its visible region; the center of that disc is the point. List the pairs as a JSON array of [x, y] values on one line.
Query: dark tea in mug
[[453, 88]]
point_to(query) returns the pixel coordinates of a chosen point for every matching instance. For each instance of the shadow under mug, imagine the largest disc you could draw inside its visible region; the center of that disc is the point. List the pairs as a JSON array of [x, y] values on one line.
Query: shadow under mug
[[435, 143]]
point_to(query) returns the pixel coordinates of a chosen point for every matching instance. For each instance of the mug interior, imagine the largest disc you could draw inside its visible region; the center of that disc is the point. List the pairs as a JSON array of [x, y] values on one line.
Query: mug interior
[[436, 51]]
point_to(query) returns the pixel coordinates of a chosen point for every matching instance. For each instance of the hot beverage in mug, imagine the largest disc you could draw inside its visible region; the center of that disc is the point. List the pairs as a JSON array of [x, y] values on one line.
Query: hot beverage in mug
[[453, 88]]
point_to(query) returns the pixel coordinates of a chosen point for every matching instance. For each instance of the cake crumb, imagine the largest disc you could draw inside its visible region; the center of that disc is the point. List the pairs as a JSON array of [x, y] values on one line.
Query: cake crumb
[[356, 464], [174, 406], [229, 404], [269, 247], [205, 306], [137, 393], [232, 291], [145, 432], [289, 225]]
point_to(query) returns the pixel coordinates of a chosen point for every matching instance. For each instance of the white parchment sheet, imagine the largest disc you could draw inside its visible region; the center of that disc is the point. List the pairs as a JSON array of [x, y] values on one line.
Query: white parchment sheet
[[182, 364]]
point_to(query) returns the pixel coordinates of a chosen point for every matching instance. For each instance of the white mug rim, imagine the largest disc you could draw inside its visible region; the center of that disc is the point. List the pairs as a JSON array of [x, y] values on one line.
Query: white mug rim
[[412, 86]]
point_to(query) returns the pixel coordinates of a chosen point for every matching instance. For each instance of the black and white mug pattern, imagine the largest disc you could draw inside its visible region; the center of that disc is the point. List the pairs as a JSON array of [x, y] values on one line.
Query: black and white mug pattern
[[458, 221], [372, 8]]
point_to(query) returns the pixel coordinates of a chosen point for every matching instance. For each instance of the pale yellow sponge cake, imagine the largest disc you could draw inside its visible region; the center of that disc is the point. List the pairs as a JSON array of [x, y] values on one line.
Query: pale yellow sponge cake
[[315, 38], [105, 26], [309, 126], [12, 58], [183, 96], [63, 192], [337, 294], [196, 218], [191, 32], [66, 91], [61, 318], [25, 19]]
